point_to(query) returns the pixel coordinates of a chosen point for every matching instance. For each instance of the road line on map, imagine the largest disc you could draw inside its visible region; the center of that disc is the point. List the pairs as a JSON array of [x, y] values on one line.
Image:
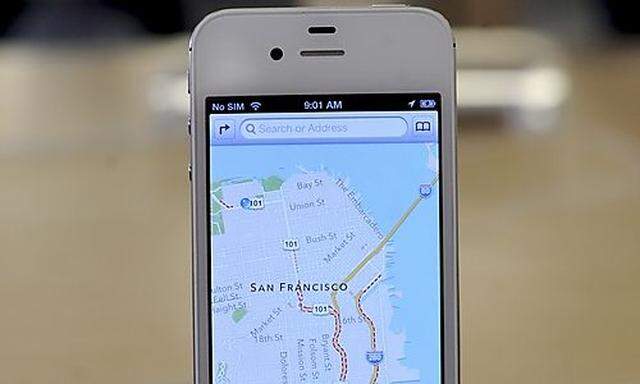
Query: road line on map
[[221, 202], [370, 323], [303, 308], [367, 319], [388, 236], [344, 361], [374, 375], [384, 240]]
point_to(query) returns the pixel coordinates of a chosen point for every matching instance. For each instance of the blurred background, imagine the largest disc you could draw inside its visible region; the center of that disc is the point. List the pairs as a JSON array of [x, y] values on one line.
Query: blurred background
[[94, 203]]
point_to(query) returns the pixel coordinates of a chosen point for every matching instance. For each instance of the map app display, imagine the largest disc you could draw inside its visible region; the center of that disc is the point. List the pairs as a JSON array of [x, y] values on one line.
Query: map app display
[[325, 252]]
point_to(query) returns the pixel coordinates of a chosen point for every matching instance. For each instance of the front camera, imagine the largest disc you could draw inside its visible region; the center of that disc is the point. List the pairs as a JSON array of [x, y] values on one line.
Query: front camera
[[276, 53]]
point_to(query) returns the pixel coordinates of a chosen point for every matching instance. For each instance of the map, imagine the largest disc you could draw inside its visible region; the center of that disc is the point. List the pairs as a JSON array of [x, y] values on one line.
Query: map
[[325, 263]]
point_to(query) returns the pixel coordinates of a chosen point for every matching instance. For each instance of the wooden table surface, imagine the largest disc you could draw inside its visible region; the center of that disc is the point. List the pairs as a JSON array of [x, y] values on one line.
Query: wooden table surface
[[94, 227]]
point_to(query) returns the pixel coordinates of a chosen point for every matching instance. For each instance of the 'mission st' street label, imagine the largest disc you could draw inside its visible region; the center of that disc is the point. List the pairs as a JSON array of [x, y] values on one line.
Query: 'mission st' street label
[[295, 287]]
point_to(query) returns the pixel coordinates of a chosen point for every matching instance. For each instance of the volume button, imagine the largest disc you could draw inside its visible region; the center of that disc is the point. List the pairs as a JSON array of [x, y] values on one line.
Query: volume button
[[188, 82]]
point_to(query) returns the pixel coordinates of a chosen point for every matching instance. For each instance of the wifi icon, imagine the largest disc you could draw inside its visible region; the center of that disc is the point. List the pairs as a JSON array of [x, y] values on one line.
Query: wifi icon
[[256, 105]]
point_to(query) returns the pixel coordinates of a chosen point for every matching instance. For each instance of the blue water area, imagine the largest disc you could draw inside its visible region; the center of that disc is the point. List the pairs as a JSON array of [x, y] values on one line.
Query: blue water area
[[388, 177]]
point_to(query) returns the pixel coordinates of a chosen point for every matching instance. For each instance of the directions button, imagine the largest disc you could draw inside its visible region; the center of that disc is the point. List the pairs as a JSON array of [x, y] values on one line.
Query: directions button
[[223, 129]]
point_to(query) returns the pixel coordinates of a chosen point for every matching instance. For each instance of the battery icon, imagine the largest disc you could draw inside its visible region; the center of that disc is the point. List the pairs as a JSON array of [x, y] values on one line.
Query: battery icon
[[427, 103]]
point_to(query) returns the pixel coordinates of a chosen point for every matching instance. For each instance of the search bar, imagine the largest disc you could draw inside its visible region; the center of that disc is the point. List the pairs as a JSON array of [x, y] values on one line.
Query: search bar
[[324, 127]]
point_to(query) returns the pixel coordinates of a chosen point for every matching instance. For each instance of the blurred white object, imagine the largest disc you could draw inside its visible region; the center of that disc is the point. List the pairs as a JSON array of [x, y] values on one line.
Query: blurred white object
[[513, 72]]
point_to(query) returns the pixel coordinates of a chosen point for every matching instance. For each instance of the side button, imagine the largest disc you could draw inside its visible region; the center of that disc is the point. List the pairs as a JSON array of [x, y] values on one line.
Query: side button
[[189, 171], [189, 125], [188, 82]]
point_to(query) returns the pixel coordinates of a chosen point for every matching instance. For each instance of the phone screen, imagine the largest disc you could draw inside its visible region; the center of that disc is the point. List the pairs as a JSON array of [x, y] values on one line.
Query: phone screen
[[325, 242]]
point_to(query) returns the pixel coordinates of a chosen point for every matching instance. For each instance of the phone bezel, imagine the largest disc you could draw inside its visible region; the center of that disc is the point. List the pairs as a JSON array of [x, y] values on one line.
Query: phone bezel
[[225, 40]]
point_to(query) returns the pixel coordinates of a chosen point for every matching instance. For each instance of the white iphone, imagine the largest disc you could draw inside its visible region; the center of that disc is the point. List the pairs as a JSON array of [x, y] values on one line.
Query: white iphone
[[324, 197]]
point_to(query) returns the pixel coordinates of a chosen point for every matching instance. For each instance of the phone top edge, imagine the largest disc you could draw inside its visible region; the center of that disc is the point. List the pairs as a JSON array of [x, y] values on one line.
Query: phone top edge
[[390, 8]]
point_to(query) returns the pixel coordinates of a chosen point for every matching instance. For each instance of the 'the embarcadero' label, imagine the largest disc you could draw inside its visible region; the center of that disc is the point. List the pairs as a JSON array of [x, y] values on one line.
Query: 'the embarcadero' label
[[295, 287]]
